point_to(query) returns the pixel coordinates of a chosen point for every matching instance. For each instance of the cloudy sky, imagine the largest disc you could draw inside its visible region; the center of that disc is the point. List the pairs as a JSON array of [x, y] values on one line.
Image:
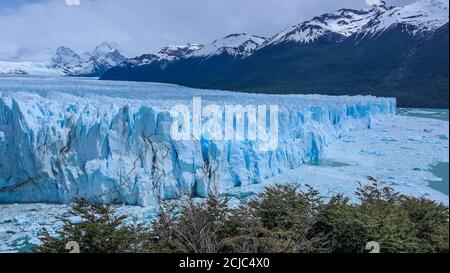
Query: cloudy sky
[[143, 26]]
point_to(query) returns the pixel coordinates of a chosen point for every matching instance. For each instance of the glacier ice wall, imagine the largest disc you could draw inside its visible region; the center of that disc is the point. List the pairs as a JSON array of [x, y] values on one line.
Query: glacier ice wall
[[58, 146]]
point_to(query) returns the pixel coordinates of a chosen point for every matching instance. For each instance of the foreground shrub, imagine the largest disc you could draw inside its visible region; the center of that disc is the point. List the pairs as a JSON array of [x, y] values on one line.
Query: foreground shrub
[[96, 229], [277, 220], [190, 227], [398, 223], [430, 224], [281, 219]]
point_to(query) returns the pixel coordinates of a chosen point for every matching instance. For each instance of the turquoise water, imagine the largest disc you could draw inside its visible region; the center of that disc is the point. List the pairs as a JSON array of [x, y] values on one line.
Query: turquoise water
[[327, 163], [440, 170], [440, 114]]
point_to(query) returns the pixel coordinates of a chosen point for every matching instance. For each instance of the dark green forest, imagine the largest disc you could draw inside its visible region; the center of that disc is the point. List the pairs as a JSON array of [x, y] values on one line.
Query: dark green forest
[[393, 64]]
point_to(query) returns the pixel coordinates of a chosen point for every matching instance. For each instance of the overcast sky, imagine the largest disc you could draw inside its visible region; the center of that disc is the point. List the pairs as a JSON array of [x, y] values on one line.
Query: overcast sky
[[143, 26]]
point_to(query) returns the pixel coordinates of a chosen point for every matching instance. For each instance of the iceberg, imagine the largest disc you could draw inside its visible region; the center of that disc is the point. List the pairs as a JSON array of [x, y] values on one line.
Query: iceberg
[[111, 141]]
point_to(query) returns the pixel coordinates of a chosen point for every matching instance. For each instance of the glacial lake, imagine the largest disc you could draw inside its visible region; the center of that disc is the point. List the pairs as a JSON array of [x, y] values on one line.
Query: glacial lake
[[440, 114], [440, 170]]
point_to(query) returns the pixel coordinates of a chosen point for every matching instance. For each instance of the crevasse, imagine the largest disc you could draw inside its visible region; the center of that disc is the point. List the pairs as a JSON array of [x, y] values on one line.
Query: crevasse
[[55, 147]]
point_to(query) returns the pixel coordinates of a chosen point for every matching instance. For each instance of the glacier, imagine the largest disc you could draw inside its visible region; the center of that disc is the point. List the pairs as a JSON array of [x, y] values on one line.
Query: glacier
[[395, 162], [62, 139]]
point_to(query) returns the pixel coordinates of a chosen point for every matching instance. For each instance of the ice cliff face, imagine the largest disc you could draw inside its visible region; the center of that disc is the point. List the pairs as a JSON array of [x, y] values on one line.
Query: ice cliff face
[[58, 146]]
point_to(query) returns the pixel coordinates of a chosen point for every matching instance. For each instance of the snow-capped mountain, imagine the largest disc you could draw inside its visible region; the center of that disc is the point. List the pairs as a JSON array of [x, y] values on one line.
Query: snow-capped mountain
[[95, 63], [166, 54], [103, 49], [340, 24], [64, 57], [187, 63], [171, 53], [63, 61], [382, 50], [238, 45], [235, 45], [420, 16]]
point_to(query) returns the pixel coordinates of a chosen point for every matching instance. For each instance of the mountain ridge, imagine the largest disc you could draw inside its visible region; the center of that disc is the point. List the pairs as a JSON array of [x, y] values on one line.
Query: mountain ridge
[[64, 61], [378, 51]]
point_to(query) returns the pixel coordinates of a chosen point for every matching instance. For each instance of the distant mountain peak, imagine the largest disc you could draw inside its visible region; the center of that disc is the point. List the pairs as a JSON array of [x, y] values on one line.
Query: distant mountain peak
[[382, 50], [420, 16], [101, 50], [106, 47], [165, 54], [91, 63], [64, 57], [177, 51], [343, 23], [237, 44]]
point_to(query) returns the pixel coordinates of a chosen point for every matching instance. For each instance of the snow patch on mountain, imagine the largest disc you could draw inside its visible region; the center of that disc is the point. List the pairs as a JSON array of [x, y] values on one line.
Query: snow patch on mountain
[[237, 45], [64, 57], [63, 61], [166, 54], [96, 62], [420, 16], [171, 53], [344, 23], [104, 49]]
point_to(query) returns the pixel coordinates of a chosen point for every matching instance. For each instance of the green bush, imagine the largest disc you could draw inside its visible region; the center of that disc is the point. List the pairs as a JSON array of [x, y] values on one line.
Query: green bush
[[277, 220], [282, 219], [190, 227], [96, 229]]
